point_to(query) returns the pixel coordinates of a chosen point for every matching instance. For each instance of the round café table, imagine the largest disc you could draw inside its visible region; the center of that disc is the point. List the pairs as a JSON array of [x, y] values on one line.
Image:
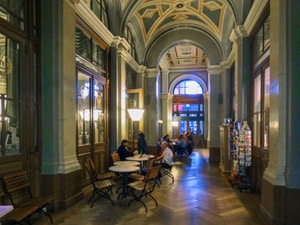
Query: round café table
[[140, 159], [124, 170], [126, 163]]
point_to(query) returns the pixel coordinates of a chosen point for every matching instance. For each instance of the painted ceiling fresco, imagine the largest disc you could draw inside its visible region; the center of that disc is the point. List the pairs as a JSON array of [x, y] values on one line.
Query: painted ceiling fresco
[[154, 17]]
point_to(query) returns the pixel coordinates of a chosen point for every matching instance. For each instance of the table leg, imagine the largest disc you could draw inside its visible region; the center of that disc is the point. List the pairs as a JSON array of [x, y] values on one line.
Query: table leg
[[124, 192]]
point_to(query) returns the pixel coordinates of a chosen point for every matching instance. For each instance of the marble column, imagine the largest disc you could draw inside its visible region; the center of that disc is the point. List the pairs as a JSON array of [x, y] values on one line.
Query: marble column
[[281, 179], [151, 106], [118, 125], [215, 117], [59, 164], [242, 73]]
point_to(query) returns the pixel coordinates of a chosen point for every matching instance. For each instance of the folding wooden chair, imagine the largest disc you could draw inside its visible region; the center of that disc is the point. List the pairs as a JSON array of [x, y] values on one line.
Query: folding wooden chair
[[142, 176], [141, 189], [115, 157], [101, 176], [101, 187], [166, 170]]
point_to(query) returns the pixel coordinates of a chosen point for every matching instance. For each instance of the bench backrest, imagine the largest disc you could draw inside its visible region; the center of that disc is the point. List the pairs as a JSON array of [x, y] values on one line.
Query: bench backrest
[[17, 186]]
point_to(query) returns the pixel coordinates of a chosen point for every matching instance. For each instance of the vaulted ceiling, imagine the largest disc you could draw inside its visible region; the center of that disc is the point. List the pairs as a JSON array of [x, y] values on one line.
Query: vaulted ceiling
[[181, 32]]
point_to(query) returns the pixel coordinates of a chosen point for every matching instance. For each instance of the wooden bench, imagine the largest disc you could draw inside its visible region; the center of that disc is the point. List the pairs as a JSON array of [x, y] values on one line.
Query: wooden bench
[[17, 188]]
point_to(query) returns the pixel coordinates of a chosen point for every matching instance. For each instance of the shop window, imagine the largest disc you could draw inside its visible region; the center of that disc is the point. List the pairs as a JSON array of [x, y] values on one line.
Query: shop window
[[9, 96], [90, 97], [84, 113], [89, 53]]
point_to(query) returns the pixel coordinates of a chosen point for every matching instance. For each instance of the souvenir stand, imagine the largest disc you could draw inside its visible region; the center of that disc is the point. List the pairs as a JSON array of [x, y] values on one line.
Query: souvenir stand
[[240, 151]]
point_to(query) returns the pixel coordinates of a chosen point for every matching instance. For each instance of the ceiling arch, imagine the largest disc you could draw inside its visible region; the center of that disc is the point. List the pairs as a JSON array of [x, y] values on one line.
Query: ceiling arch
[[196, 37], [158, 24]]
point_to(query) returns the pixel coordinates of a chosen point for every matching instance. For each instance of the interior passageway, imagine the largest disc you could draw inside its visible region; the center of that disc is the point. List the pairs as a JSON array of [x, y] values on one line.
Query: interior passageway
[[201, 194]]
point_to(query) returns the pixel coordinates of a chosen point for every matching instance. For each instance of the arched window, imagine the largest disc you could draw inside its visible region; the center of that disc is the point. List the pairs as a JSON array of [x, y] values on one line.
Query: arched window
[[188, 109], [188, 87]]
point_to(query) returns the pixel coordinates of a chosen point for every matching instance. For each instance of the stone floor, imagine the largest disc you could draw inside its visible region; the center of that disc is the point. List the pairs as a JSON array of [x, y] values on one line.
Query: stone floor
[[201, 194]]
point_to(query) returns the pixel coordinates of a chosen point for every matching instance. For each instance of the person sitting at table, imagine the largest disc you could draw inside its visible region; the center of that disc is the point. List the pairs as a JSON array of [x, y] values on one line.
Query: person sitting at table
[[123, 150], [167, 155], [181, 146]]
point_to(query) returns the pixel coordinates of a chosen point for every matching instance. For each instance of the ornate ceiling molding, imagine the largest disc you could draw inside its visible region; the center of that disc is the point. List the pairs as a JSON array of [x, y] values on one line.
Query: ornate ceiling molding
[[154, 16]]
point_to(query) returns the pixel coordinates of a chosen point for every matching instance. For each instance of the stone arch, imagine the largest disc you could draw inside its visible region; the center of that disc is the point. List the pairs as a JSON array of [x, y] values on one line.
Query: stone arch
[[207, 43]]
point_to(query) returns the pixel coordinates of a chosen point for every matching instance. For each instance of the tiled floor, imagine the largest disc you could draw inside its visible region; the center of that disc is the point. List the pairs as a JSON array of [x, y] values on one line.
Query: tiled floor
[[201, 194]]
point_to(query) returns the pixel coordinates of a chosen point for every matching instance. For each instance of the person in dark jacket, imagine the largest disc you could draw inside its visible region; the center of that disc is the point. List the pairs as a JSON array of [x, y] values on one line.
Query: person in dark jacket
[[142, 144], [123, 150]]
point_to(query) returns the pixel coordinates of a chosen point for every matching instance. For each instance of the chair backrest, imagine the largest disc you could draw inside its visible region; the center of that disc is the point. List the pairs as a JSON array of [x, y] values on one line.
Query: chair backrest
[[92, 168], [115, 157], [153, 172], [158, 161], [150, 164], [91, 173]]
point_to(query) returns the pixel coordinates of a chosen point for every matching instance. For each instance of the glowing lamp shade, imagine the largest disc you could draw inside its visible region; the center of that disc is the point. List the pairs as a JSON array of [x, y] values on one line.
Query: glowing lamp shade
[[135, 114], [174, 123]]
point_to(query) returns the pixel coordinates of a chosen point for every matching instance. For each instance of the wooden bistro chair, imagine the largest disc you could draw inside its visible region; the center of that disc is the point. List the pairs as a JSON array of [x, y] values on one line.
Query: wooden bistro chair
[[140, 189], [115, 157], [101, 187], [142, 175], [101, 176], [166, 170]]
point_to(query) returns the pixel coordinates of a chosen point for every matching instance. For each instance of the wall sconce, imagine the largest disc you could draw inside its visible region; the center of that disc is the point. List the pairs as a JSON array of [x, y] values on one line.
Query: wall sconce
[[135, 115]]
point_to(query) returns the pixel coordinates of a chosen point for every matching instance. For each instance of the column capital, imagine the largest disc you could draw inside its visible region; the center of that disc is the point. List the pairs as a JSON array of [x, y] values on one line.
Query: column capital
[[120, 43], [214, 69], [238, 33], [152, 72]]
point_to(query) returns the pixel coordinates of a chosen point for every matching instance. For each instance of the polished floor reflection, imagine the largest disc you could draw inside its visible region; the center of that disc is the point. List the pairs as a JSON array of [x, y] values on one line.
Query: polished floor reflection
[[201, 194]]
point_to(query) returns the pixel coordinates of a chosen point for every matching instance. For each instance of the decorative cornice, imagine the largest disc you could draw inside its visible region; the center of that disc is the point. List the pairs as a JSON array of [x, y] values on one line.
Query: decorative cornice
[[256, 10], [120, 43], [237, 33]]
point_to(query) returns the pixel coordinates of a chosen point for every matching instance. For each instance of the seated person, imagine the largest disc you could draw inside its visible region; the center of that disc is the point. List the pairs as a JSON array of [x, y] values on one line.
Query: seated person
[[123, 150], [181, 146], [167, 155]]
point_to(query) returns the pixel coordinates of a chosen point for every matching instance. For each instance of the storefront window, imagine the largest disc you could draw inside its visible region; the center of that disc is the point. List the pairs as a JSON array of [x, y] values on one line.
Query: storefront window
[[98, 113], [266, 107], [9, 86], [84, 113], [257, 111]]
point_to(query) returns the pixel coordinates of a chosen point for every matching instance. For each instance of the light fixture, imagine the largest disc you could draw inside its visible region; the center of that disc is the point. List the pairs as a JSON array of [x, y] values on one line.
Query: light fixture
[[135, 115], [174, 123]]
